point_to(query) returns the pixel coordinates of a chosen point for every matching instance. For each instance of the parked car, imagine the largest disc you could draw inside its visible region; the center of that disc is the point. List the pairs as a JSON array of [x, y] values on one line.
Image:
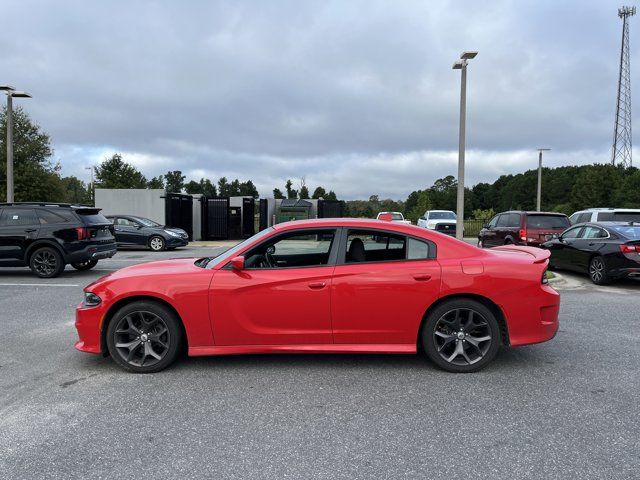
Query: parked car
[[325, 286], [443, 221], [393, 217], [139, 231], [46, 237], [605, 215], [522, 228], [606, 251]]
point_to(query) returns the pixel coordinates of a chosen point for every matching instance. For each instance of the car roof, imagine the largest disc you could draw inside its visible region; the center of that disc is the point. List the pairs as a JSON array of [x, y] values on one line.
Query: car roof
[[441, 211], [351, 222], [530, 212], [607, 209]]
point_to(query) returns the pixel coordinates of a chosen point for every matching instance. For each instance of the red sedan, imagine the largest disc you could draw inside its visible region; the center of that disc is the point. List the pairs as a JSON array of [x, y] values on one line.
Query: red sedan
[[325, 286]]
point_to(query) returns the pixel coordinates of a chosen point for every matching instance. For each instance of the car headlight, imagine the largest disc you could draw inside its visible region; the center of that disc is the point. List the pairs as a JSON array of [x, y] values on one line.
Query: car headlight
[[173, 234], [91, 299]]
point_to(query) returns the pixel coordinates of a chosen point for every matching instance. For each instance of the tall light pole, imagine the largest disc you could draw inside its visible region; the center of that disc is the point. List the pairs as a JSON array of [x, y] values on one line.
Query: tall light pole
[[93, 195], [539, 197], [11, 93], [462, 66]]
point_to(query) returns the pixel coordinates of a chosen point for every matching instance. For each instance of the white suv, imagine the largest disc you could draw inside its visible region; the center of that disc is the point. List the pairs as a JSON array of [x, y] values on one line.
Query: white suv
[[606, 215], [443, 221]]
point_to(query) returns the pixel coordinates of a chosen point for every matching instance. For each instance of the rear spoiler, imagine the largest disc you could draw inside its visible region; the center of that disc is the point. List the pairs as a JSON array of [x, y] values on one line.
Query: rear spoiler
[[539, 255]]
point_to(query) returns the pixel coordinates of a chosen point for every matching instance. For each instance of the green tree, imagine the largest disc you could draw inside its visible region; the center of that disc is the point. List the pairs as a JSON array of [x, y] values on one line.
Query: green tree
[[36, 178], [277, 193], [291, 193], [175, 181], [114, 172], [331, 195], [224, 189], [248, 189], [304, 192], [596, 186], [75, 191], [156, 182], [319, 192]]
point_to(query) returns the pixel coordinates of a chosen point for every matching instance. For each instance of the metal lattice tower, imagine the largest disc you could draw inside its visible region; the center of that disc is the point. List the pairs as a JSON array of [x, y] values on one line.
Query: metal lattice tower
[[622, 129]]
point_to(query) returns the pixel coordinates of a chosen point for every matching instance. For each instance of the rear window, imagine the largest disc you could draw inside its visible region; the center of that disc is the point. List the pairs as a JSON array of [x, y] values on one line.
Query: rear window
[[92, 216], [619, 216], [547, 221], [397, 216], [629, 231]]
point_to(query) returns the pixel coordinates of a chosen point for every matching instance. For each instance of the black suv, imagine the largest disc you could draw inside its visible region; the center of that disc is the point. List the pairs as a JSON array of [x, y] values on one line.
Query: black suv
[[47, 236]]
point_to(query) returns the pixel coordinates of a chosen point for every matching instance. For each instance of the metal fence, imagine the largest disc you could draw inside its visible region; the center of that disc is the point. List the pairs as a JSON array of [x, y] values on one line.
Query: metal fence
[[472, 226]]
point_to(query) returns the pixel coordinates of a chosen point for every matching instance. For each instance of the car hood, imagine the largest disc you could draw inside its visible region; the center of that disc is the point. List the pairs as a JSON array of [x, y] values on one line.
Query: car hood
[[162, 267]]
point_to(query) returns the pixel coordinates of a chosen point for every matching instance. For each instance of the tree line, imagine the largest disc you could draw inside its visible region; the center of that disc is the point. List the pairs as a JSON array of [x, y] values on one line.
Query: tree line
[[564, 189]]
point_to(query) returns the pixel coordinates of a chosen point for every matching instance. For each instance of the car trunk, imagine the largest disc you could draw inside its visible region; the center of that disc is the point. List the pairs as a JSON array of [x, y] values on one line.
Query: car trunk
[[97, 226]]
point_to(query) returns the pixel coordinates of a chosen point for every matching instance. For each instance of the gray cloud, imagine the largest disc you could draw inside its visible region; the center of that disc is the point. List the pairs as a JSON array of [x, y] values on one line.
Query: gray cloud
[[358, 96]]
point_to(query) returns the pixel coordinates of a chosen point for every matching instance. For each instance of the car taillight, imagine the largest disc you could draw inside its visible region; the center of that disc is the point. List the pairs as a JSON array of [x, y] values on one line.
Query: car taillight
[[523, 234], [630, 248], [83, 233]]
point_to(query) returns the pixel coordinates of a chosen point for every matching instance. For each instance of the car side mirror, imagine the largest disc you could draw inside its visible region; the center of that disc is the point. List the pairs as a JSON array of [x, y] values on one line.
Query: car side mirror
[[486, 225], [237, 263], [139, 226]]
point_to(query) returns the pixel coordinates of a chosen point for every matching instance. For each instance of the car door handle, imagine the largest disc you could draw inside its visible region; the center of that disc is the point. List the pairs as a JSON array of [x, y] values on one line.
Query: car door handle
[[421, 277], [317, 285], [30, 230], [591, 244]]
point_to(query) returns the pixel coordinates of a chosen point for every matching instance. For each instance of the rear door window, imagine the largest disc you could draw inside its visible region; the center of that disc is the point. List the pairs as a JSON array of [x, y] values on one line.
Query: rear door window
[[509, 220], [48, 217], [374, 246], [572, 233], [547, 221], [14, 217]]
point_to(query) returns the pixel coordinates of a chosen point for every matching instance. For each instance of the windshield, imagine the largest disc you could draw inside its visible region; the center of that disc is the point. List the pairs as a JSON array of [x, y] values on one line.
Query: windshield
[[397, 216], [230, 253], [442, 216], [146, 222], [547, 221], [629, 231]]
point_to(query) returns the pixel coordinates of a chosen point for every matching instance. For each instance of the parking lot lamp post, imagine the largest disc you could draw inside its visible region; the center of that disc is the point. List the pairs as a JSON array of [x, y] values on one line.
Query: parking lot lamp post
[[11, 93], [462, 66], [92, 191], [539, 197]]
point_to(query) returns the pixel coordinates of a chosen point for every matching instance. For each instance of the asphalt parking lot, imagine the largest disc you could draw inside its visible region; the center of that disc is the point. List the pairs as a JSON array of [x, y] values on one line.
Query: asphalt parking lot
[[564, 409]]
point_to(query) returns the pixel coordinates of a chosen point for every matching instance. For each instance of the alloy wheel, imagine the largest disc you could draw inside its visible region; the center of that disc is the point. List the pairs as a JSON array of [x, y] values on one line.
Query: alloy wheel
[[45, 263], [142, 338], [462, 336], [596, 270], [156, 243]]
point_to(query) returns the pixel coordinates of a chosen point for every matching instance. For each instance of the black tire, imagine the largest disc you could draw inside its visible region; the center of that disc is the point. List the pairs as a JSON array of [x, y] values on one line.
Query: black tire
[[86, 265], [46, 262], [131, 349], [452, 348], [157, 243], [598, 271]]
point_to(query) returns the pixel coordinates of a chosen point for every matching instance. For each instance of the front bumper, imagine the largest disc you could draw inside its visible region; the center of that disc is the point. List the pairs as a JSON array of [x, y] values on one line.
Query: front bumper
[[177, 242], [88, 324]]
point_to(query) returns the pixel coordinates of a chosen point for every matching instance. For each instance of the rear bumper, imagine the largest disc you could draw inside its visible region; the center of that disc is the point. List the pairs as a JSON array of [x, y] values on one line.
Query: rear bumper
[[535, 318], [92, 252]]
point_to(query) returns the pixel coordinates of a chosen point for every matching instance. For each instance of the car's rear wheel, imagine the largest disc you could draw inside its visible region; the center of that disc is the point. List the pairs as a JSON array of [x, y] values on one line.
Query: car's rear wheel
[[46, 262], [461, 336], [144, 337], [157, 244], [598, 271], [86, 265]]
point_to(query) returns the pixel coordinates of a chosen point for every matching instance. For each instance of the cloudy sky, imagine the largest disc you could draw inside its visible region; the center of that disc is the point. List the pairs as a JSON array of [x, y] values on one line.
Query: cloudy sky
[[358, 96]]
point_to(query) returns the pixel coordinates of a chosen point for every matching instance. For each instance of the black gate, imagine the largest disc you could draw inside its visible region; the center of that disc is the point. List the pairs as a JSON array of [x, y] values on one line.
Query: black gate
[[215, 218], [264, 214], [178, 212], [248, 217], [330, 208]]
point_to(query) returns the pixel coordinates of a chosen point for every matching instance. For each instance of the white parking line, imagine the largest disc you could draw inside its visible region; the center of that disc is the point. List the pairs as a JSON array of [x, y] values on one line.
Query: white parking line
[[38, 285]]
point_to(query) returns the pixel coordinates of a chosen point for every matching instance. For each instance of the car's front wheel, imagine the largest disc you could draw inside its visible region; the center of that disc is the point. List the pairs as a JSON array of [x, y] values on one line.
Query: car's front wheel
[[461, 336], [157, 244], [46, 262], [598, 271], [86, 265], [144, 337], [480, 244]]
